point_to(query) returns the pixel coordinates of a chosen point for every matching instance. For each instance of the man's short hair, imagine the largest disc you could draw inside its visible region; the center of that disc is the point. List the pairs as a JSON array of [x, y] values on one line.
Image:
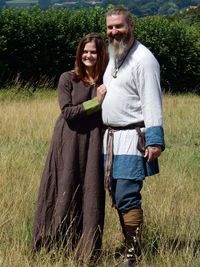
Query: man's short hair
[[117, 10]]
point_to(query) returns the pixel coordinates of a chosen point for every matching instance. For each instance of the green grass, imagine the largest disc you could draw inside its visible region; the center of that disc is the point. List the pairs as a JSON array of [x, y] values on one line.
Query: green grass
[[171, 200], [21, 1]]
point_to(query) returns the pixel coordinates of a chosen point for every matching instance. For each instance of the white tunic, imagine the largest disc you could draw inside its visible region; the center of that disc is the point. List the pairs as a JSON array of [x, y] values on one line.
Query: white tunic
[[134, 96]]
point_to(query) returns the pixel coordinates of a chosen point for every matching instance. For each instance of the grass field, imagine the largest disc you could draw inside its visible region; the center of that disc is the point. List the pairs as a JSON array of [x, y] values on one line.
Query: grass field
[[21, 1], [171, 200]]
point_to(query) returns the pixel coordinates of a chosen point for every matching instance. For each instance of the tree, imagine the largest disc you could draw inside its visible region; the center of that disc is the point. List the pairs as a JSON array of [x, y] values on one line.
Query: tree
[[2, 3], [150, 8], [168, 8], [44, 4]]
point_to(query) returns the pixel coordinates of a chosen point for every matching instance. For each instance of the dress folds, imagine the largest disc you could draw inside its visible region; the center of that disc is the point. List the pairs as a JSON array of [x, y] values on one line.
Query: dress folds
[[71, 199]]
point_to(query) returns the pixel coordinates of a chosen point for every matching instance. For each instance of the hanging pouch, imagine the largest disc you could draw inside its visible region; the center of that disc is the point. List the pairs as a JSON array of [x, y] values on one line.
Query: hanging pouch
[[141, 140]]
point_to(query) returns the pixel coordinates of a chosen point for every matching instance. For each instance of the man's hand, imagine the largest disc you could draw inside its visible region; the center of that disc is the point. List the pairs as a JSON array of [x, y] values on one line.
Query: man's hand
[[101, 92], [152, 152]]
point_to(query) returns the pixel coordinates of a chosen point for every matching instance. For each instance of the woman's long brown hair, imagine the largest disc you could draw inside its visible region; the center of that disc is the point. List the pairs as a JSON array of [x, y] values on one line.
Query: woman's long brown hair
[[99, 68]]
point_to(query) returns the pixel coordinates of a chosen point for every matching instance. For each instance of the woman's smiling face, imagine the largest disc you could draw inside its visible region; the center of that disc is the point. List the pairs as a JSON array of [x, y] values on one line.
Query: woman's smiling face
[[89, 55]]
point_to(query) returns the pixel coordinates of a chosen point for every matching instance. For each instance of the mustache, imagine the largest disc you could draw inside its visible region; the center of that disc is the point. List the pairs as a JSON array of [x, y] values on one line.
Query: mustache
[[116, 37], [118, 51], [120, 37]]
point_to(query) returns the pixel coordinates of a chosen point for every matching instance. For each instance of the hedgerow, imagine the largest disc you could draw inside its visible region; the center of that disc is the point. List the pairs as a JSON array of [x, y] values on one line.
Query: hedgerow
[[38, 45]]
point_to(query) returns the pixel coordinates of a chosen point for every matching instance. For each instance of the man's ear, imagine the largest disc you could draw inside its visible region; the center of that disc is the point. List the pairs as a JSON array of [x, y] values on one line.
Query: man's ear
[[130, 24]]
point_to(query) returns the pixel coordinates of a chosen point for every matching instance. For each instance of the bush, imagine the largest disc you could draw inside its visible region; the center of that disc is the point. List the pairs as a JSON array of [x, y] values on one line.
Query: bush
[[177, 48], [38, 45]]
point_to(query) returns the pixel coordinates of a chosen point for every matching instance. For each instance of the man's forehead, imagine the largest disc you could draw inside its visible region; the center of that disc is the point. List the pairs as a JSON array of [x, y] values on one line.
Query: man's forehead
[[115, 18]]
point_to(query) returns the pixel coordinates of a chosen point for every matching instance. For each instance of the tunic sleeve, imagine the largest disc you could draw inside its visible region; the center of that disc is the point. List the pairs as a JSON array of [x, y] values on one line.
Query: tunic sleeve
[[151, 101], [69, 110]]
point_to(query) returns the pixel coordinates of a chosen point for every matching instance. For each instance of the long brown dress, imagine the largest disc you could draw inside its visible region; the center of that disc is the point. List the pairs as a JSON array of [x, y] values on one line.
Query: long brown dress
[[71, 199]]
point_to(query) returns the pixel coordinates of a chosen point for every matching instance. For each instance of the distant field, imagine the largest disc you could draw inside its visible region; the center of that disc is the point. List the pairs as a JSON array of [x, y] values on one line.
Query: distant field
[[171, 200], [22, 1]]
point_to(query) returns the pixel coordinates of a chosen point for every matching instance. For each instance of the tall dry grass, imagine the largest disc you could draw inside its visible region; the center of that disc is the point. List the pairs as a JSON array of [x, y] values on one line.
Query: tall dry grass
[[171, 200]]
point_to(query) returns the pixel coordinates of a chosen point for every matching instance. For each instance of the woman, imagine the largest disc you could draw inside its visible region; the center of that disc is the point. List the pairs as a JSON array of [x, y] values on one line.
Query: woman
[[70, 209]]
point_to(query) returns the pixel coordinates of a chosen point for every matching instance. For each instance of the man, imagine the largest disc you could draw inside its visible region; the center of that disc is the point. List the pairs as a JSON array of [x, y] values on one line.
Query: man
[[132, 105]]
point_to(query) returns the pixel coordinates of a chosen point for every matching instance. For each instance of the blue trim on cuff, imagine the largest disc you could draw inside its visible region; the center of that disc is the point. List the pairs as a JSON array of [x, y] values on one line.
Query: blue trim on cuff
[[155, 136]]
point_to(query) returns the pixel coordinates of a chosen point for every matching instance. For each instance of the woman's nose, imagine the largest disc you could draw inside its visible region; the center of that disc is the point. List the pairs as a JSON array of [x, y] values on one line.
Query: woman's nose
[[88, 54]]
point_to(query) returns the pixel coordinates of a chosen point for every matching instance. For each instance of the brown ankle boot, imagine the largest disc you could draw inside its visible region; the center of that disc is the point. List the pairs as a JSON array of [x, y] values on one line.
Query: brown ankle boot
[[132, 221], [133, 247]]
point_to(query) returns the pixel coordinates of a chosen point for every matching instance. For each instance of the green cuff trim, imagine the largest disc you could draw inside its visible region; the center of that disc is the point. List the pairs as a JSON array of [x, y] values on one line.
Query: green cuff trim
[[91, 106]]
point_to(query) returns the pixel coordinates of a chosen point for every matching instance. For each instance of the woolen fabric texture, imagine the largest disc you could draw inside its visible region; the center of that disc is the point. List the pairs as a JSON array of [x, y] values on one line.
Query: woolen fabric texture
[[71, 199]]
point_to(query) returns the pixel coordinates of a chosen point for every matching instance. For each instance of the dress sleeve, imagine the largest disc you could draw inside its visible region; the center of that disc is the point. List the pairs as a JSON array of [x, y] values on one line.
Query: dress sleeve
[[69, 110]]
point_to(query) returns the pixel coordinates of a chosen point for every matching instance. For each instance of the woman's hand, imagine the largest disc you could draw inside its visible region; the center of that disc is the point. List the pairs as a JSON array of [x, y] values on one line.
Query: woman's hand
[[101, 92]]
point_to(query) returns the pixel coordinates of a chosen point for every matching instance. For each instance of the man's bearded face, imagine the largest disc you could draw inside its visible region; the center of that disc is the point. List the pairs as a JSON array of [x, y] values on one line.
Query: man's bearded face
[[119, 48], [119, 33]]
